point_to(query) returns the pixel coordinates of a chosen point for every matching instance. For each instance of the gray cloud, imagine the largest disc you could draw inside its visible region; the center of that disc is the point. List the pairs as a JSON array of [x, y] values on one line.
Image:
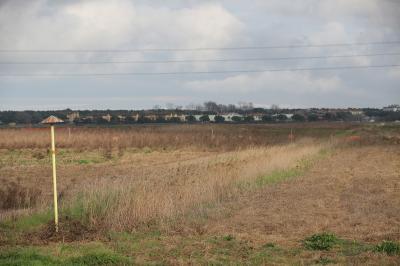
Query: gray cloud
[[123, 24]]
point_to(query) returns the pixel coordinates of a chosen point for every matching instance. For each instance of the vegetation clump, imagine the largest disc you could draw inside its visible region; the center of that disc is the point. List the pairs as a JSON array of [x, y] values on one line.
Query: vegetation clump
[[323, 241], [389, 247]]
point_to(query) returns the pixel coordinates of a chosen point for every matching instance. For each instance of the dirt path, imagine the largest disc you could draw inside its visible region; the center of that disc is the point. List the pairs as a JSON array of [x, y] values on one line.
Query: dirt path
[[354, 194]]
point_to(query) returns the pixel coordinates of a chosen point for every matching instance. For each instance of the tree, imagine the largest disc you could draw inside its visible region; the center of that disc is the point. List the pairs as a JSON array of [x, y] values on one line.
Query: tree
[[275, 108], [211, 106], [267, 118], [330, 116], [190, 118], [249, 118], [236, 119], [219, 119], [281, 117], [312, 117], [204, 118], [169, 106], [298, 118]]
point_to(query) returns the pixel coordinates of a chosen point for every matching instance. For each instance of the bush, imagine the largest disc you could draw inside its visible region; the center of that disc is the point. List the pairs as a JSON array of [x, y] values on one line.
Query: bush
[[249, 118], [236, 118], [388, 247], [312, 117], [324, 241], [190, 118], [204, 118], [298, 118], [267, 118], [219, 119], [281, 117]]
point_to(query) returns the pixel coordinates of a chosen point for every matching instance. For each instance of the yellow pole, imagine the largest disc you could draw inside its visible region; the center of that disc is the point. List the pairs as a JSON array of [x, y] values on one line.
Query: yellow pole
[[53, 157]]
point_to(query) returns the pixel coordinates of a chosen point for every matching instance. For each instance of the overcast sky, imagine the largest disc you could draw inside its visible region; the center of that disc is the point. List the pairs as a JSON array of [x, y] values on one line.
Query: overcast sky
[[125, 24]]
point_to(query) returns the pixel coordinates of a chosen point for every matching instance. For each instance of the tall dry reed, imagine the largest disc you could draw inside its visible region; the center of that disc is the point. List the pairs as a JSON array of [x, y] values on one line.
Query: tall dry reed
[[163, 195]]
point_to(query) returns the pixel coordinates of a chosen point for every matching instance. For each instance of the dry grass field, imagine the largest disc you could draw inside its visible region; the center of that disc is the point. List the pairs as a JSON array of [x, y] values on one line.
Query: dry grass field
[[202, 194]]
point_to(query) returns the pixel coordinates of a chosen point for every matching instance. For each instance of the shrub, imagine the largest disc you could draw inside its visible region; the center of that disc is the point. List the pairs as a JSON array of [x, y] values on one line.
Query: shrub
[[236, 118], [190, 118], [324, 241], [219, 119], [249, 118], [312, 117], [388, 247], [267, 118], [204, 118], [298, 118]]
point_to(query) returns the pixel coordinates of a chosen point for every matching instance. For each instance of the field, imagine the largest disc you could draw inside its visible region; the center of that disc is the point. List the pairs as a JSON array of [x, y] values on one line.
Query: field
[[302, 194]]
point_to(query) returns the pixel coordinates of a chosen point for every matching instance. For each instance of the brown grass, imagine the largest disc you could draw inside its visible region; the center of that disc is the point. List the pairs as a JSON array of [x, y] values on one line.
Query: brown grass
[[164, 194], [200, 137], [355, 194], [130, 177]]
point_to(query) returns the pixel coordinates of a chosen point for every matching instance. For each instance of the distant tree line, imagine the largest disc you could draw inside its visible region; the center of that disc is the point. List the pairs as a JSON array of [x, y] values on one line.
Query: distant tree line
[[245, 112]]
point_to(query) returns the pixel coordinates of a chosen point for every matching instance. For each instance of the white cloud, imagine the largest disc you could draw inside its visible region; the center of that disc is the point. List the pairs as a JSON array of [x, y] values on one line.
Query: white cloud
[[114, 24], [294, 82]]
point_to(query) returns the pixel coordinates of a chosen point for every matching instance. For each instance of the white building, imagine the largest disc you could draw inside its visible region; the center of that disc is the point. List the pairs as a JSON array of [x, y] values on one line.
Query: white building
[[392, 108], [228, 117]]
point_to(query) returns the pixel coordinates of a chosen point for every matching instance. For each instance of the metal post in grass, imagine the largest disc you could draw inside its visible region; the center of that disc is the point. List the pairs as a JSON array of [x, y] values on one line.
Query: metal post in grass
[[52, 120]]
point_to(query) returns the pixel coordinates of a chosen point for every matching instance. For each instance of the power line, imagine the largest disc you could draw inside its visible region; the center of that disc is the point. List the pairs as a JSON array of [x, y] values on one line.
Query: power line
[[197, 60], [200, 72], [194, 49]]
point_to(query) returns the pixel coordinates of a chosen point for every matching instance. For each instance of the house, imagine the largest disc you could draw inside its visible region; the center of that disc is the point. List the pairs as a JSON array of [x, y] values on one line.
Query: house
[[151, 117], [107, 117], [258, 117], [228, 117], [73, 116], [356, 112], [121, 118], [171, 116], [135, 117], [88, 119], [392, 108], [197, 117]]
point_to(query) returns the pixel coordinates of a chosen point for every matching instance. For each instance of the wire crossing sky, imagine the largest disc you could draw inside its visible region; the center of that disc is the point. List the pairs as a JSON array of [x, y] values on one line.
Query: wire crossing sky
[[309, 53]]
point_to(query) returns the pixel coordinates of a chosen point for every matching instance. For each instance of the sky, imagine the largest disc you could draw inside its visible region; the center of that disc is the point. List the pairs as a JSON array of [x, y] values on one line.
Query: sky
[[29, 29]]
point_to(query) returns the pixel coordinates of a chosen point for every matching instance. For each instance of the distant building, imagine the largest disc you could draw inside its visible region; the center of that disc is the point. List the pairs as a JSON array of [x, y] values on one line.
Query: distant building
[[356, 112], [171, 116], [228, 117], [151, 117], [121, 118], [73, 116], [88, 119], [392, 108], [107, 117]]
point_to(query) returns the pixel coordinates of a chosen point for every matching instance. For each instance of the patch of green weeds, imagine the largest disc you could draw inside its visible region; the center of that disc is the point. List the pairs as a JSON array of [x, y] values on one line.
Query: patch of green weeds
[[28, 222], [35, 256], [276, 176], [325, 261], [389, 247], [82, 161], [323, 241], [99, 259], [228, 237], [353, 248], [26, 256]]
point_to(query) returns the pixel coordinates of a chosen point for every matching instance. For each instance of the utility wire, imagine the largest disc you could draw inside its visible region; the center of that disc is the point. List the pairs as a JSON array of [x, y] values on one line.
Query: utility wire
[[196, 60], [201, 72], [194, 49]]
